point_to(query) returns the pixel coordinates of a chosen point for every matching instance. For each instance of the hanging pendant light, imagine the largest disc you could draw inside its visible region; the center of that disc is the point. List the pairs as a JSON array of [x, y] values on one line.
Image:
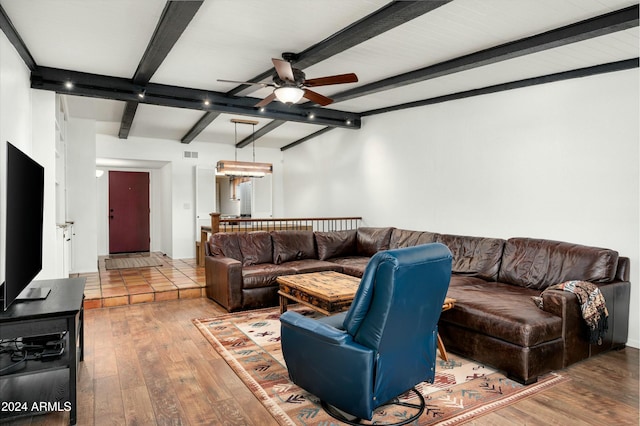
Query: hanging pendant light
[[243, 168]]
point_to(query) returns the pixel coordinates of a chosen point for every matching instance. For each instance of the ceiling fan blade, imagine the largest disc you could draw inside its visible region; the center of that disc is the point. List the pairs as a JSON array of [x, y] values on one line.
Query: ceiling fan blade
[[333, 79], [266, 100], [317, 97], [243, 82], [283, 68]]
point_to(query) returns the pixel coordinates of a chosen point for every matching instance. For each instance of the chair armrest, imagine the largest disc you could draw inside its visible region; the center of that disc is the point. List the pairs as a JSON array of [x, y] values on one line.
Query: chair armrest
[[224, 281], [314, 329], [326, 361]]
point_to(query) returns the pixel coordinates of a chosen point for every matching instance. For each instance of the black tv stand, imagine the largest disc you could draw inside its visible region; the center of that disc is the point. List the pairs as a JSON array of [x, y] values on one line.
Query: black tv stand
[[34, 293], [43, 339], [47, 384]]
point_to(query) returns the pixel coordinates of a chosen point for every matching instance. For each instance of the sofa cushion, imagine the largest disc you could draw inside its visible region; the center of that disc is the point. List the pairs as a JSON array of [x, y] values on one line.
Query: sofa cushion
[[223, 244], [369, 241], [536, 263], [263, 275], [352, 265], [292, 245], [335, 244], [256, 247], [307, 266], [427, 237], [401, 238], [500, 310], [474, 256]]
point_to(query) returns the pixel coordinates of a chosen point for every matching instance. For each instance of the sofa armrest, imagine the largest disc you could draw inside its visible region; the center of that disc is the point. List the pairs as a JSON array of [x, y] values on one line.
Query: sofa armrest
[[622, 273], [575, 331], [224, 281], [565, 305]]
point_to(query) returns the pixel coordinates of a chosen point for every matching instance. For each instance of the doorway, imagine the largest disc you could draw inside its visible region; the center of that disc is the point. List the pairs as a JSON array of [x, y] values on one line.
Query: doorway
[[129, 229]]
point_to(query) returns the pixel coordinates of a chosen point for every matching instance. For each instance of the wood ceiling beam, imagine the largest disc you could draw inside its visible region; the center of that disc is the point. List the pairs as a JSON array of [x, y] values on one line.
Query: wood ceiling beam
[[384, 19], [600, 25], [14, 38], [306, 138], [200, 126], [260, 133], [123, 89], [550, 78], [175, 17], [127, 119]]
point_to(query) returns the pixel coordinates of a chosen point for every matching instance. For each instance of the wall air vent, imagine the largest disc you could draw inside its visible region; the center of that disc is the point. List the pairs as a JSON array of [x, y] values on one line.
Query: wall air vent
[[190, 154]]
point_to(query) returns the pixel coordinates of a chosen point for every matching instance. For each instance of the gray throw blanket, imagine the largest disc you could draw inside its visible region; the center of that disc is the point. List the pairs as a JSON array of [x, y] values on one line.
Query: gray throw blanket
[[592, 305]]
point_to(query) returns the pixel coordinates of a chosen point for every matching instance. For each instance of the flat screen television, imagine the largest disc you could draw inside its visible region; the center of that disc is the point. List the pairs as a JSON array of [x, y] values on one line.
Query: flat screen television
[[23, 242]]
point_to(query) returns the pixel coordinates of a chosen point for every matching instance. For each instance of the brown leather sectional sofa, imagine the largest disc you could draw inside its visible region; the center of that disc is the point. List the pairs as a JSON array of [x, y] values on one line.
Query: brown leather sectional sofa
[[494, 319]]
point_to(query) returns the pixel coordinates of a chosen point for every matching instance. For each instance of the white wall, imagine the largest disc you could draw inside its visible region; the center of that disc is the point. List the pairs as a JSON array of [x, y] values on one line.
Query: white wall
[[27, 120], [557, 161], [43, 133], [166, 219], [176, 183], [15, 121], [82, 194]]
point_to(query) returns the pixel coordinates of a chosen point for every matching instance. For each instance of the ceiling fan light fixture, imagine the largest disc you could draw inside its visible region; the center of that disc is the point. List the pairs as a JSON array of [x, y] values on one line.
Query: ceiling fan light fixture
[[288, 95]]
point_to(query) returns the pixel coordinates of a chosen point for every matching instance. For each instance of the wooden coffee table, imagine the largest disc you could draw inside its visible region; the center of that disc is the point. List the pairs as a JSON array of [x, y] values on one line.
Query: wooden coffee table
[[327, 292], [449, 302]]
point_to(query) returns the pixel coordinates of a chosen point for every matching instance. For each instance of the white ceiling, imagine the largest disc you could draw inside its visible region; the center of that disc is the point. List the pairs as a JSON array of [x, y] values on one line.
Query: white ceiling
[[236, 39]]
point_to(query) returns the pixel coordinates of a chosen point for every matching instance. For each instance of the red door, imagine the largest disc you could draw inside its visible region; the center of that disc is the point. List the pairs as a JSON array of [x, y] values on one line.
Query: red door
[[128, 212]]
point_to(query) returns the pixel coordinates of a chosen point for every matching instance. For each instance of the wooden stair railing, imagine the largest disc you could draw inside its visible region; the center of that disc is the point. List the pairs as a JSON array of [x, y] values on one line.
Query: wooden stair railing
[[248, 224]]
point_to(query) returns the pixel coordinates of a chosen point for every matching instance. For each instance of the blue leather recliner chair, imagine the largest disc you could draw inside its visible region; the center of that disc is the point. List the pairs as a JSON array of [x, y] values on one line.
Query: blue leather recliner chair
[[385, 344]]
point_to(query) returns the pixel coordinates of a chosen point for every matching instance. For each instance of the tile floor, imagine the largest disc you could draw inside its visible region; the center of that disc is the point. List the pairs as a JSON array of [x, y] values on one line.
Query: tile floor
[[175, 279]]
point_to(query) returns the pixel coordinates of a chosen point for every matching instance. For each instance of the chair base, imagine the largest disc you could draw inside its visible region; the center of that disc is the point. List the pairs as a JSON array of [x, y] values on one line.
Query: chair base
[[353, 420]]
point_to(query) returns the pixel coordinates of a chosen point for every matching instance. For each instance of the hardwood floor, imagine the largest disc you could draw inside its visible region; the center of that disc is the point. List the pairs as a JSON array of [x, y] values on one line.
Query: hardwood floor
[[147, 364]]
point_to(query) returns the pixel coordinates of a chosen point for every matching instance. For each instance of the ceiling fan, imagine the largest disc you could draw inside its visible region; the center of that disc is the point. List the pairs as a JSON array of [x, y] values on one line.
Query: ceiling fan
[[290, 84]]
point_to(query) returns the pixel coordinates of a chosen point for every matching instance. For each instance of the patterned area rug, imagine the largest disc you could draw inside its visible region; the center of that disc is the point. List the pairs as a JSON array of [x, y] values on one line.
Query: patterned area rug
[[250, 343]]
